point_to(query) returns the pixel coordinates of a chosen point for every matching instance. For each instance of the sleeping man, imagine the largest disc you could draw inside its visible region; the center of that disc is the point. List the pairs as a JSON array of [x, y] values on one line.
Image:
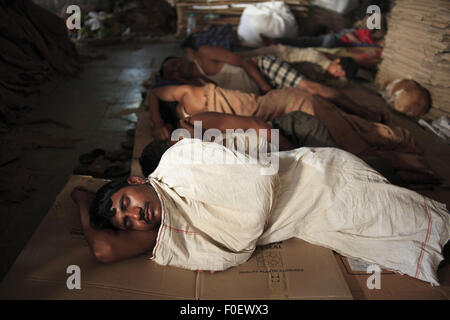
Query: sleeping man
[[350, 132], [229, 70], [199, 212], [294, 130]]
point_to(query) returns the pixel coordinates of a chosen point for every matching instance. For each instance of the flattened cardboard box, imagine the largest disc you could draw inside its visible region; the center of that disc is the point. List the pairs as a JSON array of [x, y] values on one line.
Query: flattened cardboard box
[[292, 269], [392, 286]]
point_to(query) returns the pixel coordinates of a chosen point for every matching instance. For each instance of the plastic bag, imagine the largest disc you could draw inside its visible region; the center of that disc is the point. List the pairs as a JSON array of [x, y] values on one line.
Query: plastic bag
[[440, 127], [340, 6], [94, 20], [272, 19]]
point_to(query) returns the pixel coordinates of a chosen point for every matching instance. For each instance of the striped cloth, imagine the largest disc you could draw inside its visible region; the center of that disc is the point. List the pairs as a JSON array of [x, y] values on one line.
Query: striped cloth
[[279, 73]]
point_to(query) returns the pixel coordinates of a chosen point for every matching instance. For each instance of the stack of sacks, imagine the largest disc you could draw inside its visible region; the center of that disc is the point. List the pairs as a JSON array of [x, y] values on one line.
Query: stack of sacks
[[417, 47], [152, 18], [35, 53]]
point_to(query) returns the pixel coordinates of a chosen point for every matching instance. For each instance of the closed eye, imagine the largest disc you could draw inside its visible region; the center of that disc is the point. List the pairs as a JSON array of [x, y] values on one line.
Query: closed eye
[[126, 223], [124, 203], [122, 206]]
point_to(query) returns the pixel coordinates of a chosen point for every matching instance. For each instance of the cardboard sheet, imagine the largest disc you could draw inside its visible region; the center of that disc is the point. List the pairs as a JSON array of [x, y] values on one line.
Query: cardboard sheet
[[292, 269], [392, 286]]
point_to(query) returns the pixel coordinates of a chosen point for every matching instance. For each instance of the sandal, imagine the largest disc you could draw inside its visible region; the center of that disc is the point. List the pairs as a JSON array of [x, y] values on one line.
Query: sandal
[[119, 155], [103, 168]]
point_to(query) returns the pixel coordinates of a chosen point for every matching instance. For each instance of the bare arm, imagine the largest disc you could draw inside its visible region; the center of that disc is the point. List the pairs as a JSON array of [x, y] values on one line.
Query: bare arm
[[274, 50], [222, 55], [167, 93], [109, 245], [222, 122]]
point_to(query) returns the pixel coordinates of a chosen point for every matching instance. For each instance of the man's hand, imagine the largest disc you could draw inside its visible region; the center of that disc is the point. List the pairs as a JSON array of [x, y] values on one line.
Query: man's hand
[[374, 114], [335, 69], [80, 195], [160, 131], [189, 127], [265, 88], [211, 272]]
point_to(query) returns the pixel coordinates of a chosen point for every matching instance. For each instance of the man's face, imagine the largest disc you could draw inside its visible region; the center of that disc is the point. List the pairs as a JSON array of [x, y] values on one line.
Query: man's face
[[335, 69], [177, 68], [137, 208]]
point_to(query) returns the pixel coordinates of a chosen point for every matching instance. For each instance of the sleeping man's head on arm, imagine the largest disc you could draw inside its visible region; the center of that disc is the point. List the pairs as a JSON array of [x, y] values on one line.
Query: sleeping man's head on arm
[[131, 204]]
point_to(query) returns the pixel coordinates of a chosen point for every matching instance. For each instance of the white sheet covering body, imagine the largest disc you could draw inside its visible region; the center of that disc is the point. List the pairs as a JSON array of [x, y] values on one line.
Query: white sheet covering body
[[215, 214]]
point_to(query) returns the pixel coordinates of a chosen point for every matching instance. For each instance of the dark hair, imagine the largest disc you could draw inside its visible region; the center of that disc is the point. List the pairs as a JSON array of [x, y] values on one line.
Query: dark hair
[[161, 69], [100, 212], [168, 111], [349, 66], [151, 155], [189, 42]]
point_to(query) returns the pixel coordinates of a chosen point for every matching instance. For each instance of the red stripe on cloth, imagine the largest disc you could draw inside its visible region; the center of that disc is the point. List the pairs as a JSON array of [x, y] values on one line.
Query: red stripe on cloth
[[163, 218], [179, 230], [427, 238]]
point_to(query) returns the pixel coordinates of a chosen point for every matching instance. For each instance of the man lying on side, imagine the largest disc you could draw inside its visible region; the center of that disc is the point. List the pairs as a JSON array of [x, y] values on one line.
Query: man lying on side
[[196, 211], [228, 70], [350, 132]]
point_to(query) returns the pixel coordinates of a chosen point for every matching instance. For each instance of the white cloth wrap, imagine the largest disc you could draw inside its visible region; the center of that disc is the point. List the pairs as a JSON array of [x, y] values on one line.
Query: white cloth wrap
[[212, 216], [215, 214]]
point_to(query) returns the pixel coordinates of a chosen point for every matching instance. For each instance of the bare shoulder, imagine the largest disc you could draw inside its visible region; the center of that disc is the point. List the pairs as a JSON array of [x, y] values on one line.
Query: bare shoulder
[[174, 93]]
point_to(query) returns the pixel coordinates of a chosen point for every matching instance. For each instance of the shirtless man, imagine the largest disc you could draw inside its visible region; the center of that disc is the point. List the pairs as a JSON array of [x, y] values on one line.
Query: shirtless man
[[294, 130], [297, 129], [228, 70], [255, 74], [193, 99], [350, 132]]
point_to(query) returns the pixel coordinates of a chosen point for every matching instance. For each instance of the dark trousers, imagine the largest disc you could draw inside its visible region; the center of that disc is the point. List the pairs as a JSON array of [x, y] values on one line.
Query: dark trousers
[[326, 41]]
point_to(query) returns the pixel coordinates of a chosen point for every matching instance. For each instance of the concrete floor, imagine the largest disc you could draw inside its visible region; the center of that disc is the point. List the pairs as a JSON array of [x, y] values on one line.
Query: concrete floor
[[83, 103]]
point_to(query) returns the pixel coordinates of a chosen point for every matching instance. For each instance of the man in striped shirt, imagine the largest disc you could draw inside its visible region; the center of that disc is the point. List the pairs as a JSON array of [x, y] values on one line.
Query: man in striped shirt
[[212, 64]]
